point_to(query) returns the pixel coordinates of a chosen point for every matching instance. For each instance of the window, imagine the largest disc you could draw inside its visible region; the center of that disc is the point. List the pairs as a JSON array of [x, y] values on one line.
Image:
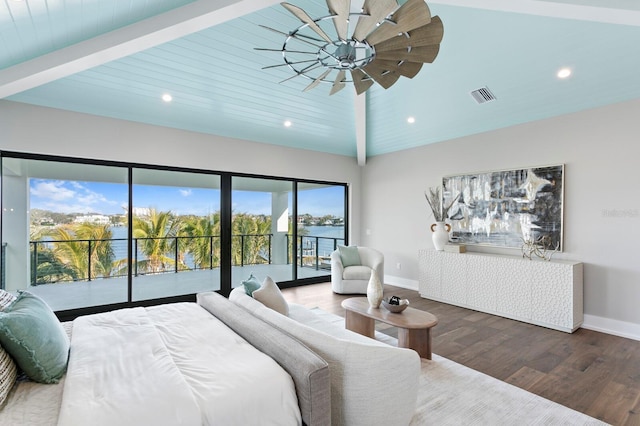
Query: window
[[175, 233], [321, 226], [62, 231], [90, 234]]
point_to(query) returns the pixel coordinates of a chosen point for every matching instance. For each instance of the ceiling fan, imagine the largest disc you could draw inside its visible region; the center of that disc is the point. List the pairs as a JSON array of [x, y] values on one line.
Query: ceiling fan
[[381, 43]]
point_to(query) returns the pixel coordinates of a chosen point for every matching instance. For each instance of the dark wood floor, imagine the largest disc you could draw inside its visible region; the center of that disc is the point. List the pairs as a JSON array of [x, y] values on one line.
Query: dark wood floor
[[594, 373]]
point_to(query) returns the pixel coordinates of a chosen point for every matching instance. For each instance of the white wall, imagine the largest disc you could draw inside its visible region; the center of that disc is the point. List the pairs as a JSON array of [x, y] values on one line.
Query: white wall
[[599, 149]]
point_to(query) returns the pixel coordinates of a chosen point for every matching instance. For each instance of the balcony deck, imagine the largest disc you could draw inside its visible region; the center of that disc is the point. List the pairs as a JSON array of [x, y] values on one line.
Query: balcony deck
[[73, 295]]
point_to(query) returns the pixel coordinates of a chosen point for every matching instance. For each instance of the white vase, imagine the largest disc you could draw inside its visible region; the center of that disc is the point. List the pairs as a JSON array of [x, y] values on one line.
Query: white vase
[[440, 234], [374, 290]]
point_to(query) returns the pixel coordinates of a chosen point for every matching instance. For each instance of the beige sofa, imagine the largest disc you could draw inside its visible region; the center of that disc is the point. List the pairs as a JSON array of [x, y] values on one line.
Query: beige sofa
[[354, 279], [372, 383]]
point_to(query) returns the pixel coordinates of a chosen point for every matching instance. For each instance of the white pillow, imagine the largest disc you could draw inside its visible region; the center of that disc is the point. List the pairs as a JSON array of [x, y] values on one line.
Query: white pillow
[[269, 295], [6, 299]]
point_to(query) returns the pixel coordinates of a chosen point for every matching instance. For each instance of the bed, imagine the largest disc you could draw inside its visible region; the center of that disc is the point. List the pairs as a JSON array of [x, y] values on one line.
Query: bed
[[177, 364]]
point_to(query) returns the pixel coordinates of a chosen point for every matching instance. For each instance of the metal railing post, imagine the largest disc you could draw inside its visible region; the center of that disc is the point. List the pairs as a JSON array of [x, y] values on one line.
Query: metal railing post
[[89, 261], [135, 256], [211, 252], [317, 254], [175, 260], [34, 268]]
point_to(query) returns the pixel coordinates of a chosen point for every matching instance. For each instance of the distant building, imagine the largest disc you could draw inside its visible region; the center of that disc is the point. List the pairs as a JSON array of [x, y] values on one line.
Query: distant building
[[97, 219]]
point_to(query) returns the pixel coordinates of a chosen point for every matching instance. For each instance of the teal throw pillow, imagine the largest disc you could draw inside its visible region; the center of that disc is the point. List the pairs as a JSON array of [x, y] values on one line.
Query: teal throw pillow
[[349, 256], [251, 284], [33, 336]]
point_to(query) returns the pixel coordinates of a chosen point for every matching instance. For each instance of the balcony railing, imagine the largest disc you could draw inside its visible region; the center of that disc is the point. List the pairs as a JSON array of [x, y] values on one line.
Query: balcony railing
[[79, 260]]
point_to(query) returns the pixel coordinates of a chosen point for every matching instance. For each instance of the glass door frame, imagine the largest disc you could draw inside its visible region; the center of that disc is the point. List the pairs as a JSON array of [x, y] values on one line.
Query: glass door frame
[[225, 228]]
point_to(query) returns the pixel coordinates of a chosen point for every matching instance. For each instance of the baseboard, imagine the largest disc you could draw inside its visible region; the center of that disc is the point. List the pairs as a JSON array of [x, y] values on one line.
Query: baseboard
[[401, 282], [610, 326]]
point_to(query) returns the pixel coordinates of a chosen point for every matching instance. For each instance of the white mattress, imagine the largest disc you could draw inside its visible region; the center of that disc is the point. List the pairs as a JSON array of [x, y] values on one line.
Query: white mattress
[[231, 382]]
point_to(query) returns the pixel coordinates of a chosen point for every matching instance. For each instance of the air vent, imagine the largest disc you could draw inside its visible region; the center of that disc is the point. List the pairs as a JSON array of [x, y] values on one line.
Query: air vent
[[483, 95]]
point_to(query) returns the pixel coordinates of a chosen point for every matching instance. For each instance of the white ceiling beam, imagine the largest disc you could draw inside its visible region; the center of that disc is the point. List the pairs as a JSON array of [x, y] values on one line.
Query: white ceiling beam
[[125, 41], [360, 105], [605, 11]]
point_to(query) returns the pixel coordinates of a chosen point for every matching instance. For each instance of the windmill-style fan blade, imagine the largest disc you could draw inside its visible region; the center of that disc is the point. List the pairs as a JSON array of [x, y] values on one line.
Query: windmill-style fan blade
[[425, 54], [406, 69], [377, 11], [340, 8], [302, 15], [317, 81], [360, 81], [338, 83], [409, 69], [426, 35], [411, 15], [382, 75]]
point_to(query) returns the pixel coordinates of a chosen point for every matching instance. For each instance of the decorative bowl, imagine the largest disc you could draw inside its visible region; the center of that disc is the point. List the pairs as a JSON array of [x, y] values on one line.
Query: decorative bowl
[[396, 309]]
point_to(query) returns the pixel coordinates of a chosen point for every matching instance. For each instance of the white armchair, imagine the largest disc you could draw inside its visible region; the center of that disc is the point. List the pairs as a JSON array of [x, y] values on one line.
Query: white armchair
[[354, 279]]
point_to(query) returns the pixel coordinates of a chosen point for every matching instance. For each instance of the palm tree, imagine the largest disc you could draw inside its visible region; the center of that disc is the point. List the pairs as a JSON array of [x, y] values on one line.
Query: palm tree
[[155, 240], [102, 255], [84, 249], [204, 241], [253, 247]]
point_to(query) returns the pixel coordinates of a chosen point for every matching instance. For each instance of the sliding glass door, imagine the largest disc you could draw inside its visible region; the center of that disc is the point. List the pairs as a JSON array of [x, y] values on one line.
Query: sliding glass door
[[175, 233], [261, 229], [63, 231], [321, 226], [84, 234]]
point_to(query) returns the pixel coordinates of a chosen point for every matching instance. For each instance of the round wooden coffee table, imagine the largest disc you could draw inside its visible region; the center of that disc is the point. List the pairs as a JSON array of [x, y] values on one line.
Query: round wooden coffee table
[[414, 325]]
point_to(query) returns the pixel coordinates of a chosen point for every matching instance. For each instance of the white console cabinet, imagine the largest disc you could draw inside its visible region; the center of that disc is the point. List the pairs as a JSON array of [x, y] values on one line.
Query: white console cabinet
[[535, 291]]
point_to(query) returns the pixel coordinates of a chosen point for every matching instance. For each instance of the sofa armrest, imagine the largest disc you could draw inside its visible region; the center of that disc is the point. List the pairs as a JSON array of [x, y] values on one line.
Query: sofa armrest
[[337, 269]]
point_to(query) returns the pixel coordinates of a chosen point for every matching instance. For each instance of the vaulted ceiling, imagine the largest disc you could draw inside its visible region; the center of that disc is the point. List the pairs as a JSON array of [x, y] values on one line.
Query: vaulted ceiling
[[116, 58]]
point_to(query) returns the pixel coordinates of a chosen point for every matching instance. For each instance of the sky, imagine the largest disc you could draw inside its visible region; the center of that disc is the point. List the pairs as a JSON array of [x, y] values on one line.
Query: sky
[[64, 196]]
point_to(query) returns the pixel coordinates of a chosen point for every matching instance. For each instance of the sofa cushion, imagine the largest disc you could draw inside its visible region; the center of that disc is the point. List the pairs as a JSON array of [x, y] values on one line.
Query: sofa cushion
[[356, 273], [309, 371], [269, 294], [251, 284], [371, 383], [349, 255]]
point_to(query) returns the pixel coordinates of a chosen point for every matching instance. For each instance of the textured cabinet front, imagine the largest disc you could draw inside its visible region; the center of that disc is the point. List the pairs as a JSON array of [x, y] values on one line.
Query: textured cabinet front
[[539, 292]]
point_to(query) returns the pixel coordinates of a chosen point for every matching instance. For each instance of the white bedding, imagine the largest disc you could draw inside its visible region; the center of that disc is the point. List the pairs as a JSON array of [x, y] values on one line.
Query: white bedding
[[173, 364]]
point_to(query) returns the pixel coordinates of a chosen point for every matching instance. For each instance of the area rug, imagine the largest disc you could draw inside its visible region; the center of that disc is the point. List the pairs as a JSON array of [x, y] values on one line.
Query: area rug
[[452, 394]]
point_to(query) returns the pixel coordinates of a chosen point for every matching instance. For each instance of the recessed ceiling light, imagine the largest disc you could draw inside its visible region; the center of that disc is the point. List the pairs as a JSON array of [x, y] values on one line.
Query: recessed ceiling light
[[564, 72], [411, 120], [167, 97], [287, 123]]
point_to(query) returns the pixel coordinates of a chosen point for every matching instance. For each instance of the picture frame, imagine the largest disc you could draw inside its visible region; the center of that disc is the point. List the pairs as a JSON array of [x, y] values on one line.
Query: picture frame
[[507, 208]]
